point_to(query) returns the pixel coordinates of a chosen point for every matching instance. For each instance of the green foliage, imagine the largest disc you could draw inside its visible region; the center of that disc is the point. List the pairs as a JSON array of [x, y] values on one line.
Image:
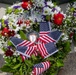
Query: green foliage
[[2, 21], [16, 11], [48, 18], [16, 66], [22, 35], [9, 10], [35, 27]]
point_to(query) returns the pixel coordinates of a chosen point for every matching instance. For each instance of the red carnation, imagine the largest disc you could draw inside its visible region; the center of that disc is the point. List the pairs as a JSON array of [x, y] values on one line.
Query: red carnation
[[26, 5], [5, 31], [11, 33], [71, 34], [8, 53], [19, 22], [58, 18]]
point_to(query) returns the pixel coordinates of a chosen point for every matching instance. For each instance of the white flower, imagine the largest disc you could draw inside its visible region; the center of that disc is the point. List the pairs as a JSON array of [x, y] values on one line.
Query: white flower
[[46, 11], [16, 53], [49, 3], [17, 35], [17, 29], [32, 17], [65, 38], [58, 8], [63, 33], [5, 17], [40, 3], [74, 5], [3, 43]]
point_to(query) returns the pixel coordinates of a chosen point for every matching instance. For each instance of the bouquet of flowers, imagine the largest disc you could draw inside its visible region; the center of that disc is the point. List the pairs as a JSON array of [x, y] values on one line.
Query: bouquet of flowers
[[34, 38], [71, 19]]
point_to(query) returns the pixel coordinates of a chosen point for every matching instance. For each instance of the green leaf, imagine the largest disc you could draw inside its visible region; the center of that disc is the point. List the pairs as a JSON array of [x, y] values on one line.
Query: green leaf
[[53, 73], [22, 34], [16, 11], [3, 49], [16, 66], [67, 47], [7, 59], [33, 57], [3, 25], [60, 63], [21, 73], [48, 17], [9, 43], [19, 58], [28, 63], [14, 60], [72, 9], [6, 68], [9, 11]]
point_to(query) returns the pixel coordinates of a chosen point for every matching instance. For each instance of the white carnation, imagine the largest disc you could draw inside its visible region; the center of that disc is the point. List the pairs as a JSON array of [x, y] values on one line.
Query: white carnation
[[49, 3], [65, 38], [5, 17], [58, 8], [46, 11]]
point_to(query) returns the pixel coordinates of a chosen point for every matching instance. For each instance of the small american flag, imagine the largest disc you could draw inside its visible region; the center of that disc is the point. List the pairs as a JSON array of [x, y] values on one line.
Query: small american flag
[[28, 48], [53, 36], [23, 46], [56, 34], [48, 36], [44, 28], [47, 50], [40, 68]]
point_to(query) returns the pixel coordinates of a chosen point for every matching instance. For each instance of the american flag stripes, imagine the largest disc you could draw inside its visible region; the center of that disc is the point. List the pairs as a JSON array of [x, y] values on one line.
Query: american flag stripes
[[48, 36], [40, 68], [47, 50], [23, 46], [46, 39], [45, 43]]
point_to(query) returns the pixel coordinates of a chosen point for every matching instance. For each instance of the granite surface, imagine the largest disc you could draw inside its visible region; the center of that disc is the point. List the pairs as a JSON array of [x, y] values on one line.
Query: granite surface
[[69, 65]]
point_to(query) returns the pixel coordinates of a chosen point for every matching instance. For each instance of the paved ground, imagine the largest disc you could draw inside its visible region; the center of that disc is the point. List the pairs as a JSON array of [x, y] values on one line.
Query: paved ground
[[2, 9], [70, 61], [70, 65]]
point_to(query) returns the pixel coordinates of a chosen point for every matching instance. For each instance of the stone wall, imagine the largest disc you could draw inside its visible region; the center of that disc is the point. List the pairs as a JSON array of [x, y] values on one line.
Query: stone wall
[[9, 1], [14, 1]]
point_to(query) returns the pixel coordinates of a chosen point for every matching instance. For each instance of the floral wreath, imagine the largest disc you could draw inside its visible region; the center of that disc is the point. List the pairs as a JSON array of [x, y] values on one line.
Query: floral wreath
[[33, 38]]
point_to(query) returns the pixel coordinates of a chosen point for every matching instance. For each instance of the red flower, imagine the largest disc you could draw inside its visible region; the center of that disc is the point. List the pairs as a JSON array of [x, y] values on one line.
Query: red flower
[[26, 5], [19, 22], [71, 34], [8, 53], [5, 31], [22, 57], [58, 18], [11, 33], [27, 22]]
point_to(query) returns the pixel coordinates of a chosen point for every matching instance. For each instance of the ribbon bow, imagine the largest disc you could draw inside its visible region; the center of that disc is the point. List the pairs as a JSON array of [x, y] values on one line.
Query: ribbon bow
[[45, 43]]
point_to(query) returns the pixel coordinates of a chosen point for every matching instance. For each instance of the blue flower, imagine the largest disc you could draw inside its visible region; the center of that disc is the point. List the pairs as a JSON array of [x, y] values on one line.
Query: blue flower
[[6, 22], [16, 7]]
